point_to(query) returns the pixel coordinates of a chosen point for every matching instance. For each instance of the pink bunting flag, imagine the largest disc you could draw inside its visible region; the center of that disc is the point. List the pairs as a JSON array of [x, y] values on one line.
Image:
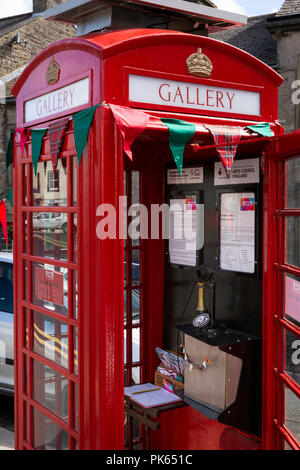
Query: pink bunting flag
[[3, 220], [131, 124], [24, 133]]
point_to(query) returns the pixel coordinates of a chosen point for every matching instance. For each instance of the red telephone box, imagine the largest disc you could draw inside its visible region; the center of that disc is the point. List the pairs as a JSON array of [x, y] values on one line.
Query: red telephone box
[[76, 305]]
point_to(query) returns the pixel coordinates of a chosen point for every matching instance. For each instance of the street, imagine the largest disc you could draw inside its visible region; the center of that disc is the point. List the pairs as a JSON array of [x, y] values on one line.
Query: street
[[6, 423]]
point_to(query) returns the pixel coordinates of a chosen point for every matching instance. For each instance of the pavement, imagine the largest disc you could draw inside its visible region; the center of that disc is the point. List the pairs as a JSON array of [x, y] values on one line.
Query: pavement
[[7, 439]]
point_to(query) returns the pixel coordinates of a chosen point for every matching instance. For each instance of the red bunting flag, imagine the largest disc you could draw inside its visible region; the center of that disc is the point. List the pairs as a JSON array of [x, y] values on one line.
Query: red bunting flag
[[3, 220], [24, 132], [226, 135], [131, 124], [56, 136]]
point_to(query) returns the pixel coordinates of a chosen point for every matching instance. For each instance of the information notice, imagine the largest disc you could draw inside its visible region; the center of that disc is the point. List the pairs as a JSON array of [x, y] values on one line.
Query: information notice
[[237, 232], [184, 221]]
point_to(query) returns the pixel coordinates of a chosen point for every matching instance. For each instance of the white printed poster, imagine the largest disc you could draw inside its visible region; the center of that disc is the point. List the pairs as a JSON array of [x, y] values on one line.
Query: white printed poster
[[237, 232], [187, 176], [183, 231]]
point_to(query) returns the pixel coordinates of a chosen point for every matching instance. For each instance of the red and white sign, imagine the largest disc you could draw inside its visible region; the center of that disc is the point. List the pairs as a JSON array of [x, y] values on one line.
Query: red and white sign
[[49, 286], [163, 92], [57, 101]]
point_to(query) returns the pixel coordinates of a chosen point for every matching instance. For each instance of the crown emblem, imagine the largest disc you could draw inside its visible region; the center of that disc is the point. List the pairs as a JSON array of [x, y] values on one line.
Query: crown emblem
[[199, 64], [53, 72]]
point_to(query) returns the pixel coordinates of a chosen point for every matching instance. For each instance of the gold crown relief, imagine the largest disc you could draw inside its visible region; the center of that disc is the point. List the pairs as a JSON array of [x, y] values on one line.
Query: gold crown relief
[[53, 72], [199, 64]]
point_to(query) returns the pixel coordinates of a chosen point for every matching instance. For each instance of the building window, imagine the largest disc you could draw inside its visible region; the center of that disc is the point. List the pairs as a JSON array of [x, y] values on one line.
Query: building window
[[53, 180]]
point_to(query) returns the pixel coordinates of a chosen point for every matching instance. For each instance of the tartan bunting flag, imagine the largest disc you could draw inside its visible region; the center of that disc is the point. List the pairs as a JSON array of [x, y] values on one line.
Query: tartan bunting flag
[[226, 135], [131, 124], [3, 220], [56, 136], [24, 133], [180, 134]]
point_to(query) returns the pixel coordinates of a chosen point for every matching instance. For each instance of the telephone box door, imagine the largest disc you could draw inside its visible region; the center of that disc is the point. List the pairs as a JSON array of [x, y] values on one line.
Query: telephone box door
[[46, 280], [282, 327]]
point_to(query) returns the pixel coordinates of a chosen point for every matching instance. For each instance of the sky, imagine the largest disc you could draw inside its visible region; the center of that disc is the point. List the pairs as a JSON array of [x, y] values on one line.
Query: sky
[[246, 7], [249, 7]]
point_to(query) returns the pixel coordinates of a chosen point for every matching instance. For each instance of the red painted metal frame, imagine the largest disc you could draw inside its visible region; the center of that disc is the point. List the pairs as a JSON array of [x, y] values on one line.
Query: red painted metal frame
[[100, 262], [274, 431]]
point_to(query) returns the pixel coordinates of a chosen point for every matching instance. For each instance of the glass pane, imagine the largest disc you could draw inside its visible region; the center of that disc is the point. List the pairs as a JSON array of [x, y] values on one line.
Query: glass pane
[[135, 267], [292, 413], [125, 307], [125, 346], [25, 222], [136, 375], [50, 235], [75, 294], [135, 199], [50, 389], [292, 246], [136, 345], [76, 407], [135, 299], [50, 287], [287, 446], [75, 350], [50, 187], [25, 185], [50, 339], [74, 173], [6, 287], [75, 242], [291, 355], [47, 434], [293, 183], [292, 298]]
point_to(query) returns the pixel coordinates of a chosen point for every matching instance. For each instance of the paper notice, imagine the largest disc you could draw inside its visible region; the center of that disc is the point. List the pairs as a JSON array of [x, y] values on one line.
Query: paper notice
[[183, 231], [238, 232]]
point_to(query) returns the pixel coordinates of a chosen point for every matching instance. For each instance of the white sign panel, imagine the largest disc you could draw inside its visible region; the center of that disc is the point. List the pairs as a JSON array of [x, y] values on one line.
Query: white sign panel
[[57, 101], [186, 219], [188, 176], [243, 172], [238, 232], [163, 92]]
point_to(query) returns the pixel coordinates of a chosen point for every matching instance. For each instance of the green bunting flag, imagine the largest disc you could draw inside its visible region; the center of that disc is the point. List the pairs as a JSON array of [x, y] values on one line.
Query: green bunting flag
[[82, 122], [9, 150], [180, 133], [9, 196], [36, 144], [262, 128]]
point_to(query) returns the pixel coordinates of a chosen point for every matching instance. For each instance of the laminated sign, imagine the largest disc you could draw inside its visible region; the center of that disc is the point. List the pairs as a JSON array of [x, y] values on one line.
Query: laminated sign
[[49, 286]]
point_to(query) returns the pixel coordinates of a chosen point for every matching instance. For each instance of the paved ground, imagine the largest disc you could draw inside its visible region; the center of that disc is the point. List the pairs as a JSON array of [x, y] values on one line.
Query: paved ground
[[7, 437]]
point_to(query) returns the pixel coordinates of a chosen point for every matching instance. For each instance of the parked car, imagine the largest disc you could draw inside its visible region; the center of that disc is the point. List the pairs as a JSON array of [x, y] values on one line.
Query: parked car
[[6, 324], [7, 331], [50, 221]]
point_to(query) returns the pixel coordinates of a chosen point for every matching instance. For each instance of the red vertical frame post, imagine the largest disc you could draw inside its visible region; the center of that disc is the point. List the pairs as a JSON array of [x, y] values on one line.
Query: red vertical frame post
[[101, 290]]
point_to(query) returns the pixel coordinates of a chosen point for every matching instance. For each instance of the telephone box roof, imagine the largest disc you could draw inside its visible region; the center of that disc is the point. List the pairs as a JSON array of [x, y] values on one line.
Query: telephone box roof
[[108, 44]]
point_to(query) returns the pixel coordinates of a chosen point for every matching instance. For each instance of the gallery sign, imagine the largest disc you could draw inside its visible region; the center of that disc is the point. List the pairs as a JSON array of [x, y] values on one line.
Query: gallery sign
[[58, 101], [163, 92]]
